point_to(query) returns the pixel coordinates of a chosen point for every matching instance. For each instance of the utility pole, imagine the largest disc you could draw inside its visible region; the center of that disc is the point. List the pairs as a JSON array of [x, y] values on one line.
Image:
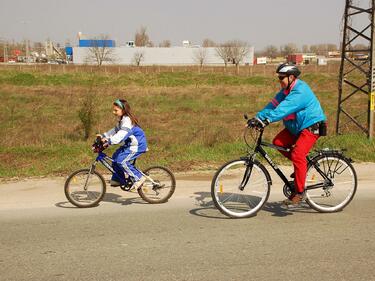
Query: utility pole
[[27, 51], [5, 51], [357, 81], [371, 102], [24, 22]]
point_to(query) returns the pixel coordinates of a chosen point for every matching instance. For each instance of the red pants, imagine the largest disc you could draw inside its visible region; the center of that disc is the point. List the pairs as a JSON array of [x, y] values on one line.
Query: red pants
[[300, 147]]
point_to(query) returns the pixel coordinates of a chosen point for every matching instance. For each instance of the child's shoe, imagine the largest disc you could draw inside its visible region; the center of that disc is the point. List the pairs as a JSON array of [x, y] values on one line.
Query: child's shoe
[[114, 183]]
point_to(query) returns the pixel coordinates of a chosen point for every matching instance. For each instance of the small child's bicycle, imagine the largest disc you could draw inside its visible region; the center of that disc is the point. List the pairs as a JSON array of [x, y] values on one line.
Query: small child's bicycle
[[241, 187], [86, 187]]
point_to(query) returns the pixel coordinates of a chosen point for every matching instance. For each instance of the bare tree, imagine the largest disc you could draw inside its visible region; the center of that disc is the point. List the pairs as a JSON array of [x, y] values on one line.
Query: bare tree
[[38, 47], [323, 49], [288, 49], [305, 49], [138, 57], [208, 43], [141, 38], [271, 51], [360, 46], [101, 51], [233, 51], [165, 44], [331, 47], [224, 52], [238, 51], [200, 56]]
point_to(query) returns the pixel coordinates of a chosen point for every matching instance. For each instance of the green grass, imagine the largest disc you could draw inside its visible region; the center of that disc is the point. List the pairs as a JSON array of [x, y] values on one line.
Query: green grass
[[178, 79], [192, 120]]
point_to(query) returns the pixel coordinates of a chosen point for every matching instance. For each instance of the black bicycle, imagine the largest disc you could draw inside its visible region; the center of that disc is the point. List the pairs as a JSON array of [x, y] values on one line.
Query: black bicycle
[[241, 187]]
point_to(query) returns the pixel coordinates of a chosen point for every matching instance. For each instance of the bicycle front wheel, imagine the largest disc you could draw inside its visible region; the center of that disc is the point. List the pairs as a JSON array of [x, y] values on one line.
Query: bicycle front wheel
[[159, 185], [84, 189], [323, 197], [231, 198]]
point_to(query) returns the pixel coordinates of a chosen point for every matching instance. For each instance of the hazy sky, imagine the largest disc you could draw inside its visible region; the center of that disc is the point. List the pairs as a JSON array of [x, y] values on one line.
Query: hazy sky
[[258, 22]]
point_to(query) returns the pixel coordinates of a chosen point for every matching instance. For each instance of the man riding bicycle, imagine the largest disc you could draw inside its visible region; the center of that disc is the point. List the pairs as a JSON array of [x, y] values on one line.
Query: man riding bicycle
[[304, 122]]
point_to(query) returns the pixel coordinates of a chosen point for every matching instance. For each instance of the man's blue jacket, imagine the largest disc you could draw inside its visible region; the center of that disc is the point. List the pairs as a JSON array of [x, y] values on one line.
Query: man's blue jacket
[[298, 107]]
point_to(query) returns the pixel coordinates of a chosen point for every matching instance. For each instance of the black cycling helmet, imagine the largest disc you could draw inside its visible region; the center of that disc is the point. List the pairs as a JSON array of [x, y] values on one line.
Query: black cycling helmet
[[288, 69]]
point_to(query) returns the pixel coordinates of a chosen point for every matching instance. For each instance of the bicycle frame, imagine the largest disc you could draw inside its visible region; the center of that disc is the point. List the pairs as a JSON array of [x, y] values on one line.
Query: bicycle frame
[[259, 150], [107, 162]]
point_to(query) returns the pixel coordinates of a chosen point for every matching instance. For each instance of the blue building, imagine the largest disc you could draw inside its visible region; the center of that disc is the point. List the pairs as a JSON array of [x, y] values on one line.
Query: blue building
[[89, 43]]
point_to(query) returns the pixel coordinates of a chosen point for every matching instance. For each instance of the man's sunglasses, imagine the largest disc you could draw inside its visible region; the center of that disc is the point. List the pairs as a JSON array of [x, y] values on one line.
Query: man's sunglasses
[[282, 77]]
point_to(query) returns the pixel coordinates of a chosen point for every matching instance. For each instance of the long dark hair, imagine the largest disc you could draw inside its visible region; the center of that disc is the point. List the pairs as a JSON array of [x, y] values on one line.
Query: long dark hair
[[126, 110]]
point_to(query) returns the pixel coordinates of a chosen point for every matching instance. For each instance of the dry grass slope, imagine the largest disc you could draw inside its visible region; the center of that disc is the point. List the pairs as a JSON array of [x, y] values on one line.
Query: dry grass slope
[[192, 120]]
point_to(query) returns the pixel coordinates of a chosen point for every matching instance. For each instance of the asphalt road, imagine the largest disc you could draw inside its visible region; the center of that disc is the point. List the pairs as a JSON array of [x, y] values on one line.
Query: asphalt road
[[43, 237]]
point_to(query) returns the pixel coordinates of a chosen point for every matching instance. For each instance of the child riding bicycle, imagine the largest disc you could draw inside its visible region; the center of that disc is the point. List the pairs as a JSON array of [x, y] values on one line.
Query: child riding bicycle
[[128, 133], [304, 122]]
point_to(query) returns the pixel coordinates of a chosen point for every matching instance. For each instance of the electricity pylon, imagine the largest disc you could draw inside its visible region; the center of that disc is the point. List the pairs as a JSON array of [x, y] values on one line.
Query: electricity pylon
[[357, 82]]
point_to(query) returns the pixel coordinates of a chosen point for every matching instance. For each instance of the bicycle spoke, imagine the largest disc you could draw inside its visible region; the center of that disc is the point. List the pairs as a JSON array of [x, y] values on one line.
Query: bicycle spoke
[[230, 199], [159, 186], [84, 189], [331, 198]]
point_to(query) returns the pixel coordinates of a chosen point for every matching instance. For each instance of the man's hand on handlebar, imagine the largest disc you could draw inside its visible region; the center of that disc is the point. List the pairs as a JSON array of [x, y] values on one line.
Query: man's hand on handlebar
[[257, 123]]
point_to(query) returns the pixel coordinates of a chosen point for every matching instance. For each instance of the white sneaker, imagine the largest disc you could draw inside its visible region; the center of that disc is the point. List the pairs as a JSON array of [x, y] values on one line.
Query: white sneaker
[[140, 182]]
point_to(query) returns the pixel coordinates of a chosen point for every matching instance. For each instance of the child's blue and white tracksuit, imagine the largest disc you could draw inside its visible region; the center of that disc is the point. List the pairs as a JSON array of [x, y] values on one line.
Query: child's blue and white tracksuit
[[134, 144]]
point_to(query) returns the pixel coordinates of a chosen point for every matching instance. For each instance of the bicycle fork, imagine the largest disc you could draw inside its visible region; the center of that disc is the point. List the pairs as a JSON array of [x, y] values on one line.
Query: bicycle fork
[[92, 169], [246, 176]]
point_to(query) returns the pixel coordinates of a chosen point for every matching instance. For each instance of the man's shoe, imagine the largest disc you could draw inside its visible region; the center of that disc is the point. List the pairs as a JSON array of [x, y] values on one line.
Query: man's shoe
[[114, 183], [295, 199], [139, 183]]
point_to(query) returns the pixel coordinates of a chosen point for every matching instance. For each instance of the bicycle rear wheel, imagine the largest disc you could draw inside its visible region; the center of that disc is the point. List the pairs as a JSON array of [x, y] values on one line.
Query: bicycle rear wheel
[[328, 199], [226, 189], [159, 185], [84, 189]]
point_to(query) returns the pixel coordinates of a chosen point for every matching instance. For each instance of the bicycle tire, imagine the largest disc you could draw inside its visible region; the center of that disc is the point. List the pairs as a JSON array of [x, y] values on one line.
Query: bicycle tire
[[162, 187], [75, 194], [343, 175], [230, 176]]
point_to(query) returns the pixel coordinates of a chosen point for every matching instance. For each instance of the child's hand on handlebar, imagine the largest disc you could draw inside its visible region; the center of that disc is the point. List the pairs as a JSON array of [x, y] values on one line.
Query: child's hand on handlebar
[[105, 142], [102, 138]]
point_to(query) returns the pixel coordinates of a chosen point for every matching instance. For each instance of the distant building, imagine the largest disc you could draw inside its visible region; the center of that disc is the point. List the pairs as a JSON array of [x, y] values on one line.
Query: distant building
[[322, 60], [130, 44], [89, 41], [295, 58], [309, 58], [96, 43], [160, 56], [302, 58], [186, 43], [261, 60], [334, 54]]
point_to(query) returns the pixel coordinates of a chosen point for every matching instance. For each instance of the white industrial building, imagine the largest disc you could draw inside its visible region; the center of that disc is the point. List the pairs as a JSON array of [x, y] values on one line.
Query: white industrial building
[[160, 56]]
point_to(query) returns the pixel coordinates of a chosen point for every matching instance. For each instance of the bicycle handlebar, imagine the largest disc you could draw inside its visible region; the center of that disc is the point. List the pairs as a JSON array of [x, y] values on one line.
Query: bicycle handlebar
[[98, 145]]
